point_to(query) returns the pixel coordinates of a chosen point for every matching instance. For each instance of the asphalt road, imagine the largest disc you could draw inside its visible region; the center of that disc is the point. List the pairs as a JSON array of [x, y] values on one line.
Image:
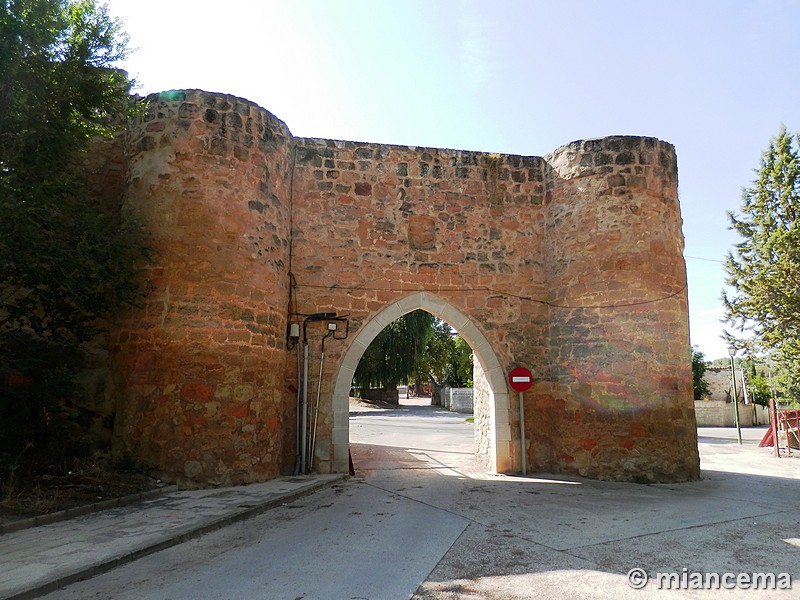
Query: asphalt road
[[420, 520]]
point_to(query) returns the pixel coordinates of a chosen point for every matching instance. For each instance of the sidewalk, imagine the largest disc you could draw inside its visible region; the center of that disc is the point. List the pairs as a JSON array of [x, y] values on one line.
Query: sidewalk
[[38, 560]]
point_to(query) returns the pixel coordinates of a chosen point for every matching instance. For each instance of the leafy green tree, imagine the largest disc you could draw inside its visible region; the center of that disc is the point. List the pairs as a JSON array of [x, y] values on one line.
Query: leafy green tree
[[759, 388], [462, 365], [394, 355], [757, 384], [448, 358], [699, 367], [66, 263], [763, 271]]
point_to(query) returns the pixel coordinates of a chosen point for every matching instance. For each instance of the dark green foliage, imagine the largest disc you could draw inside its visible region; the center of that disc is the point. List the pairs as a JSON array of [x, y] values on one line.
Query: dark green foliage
[[37, 389], [394, 355], [763, 271], [417, 347], [699, 366], [758, 386], [66, 263], [448, 358]]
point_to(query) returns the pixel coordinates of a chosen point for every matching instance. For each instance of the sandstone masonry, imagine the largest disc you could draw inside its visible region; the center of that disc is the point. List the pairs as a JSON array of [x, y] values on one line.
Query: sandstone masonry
[[570, 264]]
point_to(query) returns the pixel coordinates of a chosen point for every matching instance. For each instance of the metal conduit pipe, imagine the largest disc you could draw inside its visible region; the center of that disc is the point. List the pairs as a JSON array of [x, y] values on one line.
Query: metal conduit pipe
[[304, 411], [331, 331], [297, 446], [304, 408]]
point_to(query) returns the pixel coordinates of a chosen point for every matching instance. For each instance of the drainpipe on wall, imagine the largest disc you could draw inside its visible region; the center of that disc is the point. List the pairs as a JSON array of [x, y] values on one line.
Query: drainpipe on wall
[[294, 334], [304, 407]]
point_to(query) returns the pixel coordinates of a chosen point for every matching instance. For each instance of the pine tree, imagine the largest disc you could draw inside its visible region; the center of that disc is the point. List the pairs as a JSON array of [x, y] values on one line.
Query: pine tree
[[763, 271]]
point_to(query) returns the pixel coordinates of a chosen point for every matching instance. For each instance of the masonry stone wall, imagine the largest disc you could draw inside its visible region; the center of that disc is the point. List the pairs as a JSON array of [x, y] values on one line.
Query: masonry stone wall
[[388, 395], [570, 264], [719, 383], [481, 411], [718, 413], [620, 390], [716, 409], [202, 366], [457, 399]]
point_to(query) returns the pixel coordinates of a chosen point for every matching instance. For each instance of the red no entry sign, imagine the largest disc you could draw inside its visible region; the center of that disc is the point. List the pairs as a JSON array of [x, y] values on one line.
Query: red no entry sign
[[520, 379]]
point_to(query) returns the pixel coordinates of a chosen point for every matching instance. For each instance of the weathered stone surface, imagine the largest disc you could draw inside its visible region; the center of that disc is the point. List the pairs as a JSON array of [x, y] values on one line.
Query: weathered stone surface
[[201, 368], [570, 264]]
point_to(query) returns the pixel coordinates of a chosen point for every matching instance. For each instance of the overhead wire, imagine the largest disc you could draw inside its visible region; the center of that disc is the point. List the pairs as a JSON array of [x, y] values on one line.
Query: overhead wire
[[493, 291], [722, 262]]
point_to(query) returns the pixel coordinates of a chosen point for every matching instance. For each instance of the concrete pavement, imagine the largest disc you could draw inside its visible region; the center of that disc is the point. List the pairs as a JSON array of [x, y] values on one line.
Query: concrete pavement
[[36, 560], [546, 536], [557, 537], [493, 536]]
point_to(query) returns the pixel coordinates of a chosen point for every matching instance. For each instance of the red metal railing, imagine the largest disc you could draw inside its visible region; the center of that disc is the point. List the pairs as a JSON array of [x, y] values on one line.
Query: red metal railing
[[784, 430]]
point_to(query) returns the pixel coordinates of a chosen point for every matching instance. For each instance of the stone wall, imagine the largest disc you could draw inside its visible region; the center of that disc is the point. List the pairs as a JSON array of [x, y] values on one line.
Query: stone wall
[[202, 367], [390, 396], [719, 383], [718, 413], [619, 390], [481, 411], [569, 264], [375, 223], [457, 399]]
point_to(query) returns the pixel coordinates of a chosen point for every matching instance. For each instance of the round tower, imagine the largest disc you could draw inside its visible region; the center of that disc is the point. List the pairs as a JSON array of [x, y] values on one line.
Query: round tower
[[620, 386], [201, 364]]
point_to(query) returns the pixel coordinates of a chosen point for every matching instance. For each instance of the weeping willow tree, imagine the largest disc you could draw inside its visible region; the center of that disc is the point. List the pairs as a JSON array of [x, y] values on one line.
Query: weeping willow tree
[[394, 356]]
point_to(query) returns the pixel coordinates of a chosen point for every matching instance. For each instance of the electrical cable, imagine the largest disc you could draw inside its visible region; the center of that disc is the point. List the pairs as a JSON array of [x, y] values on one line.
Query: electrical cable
[[722, 262], [497, 292]]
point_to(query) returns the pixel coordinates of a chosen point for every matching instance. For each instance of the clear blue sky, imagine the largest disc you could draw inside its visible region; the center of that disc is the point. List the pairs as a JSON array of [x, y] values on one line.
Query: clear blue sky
[[715, 78]]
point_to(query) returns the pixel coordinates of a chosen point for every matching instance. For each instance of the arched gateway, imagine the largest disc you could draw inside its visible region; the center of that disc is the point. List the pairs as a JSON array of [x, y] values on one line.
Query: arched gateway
[[569, 264], [493, 429]]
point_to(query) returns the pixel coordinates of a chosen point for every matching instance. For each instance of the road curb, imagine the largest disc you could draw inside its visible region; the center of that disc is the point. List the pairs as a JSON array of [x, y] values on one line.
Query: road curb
[[71, 513], [110, 563]]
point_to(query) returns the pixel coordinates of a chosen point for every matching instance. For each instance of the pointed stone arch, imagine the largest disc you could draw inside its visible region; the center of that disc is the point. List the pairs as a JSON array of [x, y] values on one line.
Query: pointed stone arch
[[499, 428]]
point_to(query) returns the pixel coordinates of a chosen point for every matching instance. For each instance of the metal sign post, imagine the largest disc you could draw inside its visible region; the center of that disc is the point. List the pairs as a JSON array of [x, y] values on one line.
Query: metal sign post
[[520, 380]]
